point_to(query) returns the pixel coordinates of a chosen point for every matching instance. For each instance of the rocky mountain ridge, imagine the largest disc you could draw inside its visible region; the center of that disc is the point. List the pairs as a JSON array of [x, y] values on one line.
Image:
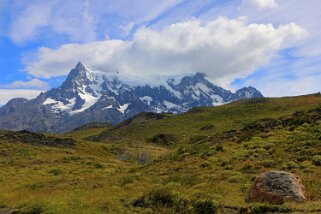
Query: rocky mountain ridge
[[89, 95]]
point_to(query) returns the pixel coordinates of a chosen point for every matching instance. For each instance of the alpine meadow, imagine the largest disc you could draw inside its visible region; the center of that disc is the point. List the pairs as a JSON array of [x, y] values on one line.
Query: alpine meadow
[[165, 107]]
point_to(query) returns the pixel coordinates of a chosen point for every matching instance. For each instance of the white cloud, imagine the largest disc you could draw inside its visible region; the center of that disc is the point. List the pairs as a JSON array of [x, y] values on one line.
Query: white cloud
[[8, 94], [32, 84], [80, 20], [223, 49], [262, 4], [141, 11], [75, 19], [304, 13], [35, 19], [26, 26]]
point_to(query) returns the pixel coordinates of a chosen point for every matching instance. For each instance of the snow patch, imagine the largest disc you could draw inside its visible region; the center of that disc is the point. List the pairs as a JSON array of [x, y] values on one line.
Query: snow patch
[[108, 107], [146, 99], [49, 101], [123, 108], [173, 91], [170, 105], [58, 106]]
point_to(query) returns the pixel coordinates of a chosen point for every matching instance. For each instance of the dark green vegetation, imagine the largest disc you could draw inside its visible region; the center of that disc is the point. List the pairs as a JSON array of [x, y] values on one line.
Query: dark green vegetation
[[203, 161]]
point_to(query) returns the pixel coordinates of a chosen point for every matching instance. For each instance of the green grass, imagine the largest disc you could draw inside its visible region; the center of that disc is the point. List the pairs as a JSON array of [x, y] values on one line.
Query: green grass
[[194, 168]]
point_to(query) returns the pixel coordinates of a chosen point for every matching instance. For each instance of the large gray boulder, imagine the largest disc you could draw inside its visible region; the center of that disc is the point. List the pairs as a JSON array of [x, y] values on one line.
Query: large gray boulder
[[276, 187]]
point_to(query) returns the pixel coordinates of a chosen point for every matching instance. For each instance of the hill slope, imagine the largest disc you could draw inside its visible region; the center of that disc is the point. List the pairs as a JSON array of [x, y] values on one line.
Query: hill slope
[[170, 163]]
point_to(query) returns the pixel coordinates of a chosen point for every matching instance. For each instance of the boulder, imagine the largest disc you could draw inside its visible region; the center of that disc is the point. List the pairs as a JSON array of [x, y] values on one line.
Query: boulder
[[276, 187]]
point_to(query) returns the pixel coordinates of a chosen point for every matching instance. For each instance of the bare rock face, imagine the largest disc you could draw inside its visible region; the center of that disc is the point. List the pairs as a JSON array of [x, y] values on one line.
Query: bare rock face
[[276, 187]]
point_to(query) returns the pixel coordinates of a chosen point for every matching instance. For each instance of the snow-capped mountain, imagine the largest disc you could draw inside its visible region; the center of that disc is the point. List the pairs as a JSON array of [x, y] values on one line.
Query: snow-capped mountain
[[89, 95]]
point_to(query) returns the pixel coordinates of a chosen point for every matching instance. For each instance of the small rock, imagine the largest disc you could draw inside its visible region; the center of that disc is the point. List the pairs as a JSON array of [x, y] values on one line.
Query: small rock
[[276, 187]]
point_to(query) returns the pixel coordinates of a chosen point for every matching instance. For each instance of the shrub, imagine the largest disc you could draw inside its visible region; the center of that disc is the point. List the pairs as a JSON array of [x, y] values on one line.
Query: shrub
[[161, 198], [36, 186], [37, 210], [260, 209], [305, 164], [24, 152], [228, 167], [236, 177], [123, 181], [207, 127], [197, 139], [71, 158], [143, 158], [98, 166], [55, 172], [248, 167], [155, 198], [302, 158], [316, 160], [196, 149], [204, 204], [206, 164], [164, 139], [219, 148], [290, 165], [181, 150], [268, 163], [269, 146], [189, 179], [205, 207]]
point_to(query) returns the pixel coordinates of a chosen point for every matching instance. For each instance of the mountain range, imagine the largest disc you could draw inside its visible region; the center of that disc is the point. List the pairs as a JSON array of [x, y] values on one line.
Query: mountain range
[[89, 95]]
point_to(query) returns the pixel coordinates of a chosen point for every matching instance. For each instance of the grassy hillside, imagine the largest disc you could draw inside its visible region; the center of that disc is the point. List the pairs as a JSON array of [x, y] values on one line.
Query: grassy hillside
[[204, 159], [218, 119]]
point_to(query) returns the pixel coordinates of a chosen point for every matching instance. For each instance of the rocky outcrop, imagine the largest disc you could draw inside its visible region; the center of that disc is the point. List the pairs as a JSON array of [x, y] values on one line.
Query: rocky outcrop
[[276, 187], [31, 138]]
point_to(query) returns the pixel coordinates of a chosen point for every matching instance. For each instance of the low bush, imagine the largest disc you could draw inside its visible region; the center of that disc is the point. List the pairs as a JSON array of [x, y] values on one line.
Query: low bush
[[260, 209], [290, 165], [236, 177], [55, 172], [268, 163], [163, 139], [205, 207], [219, 148], [197, 139], [207, 127], [206, 164], [161, 198], [204, 204], [316, 160], [156, 198]]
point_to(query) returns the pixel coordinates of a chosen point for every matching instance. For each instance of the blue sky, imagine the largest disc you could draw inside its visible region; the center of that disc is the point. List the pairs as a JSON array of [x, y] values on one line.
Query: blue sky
[[273, 45]]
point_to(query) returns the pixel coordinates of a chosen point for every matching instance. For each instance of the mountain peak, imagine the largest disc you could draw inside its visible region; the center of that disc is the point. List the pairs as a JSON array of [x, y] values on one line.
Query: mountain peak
[[193, 79], [78, 75], [80, 66], [80, 69], [248, 92]]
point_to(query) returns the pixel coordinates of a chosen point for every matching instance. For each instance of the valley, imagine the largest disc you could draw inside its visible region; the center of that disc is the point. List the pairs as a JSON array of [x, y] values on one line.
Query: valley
[[204, 160]]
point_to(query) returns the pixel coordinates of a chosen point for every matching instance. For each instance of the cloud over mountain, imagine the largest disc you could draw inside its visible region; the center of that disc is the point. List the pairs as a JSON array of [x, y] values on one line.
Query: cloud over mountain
[[35, 84], [223, 49], [8, 94]]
